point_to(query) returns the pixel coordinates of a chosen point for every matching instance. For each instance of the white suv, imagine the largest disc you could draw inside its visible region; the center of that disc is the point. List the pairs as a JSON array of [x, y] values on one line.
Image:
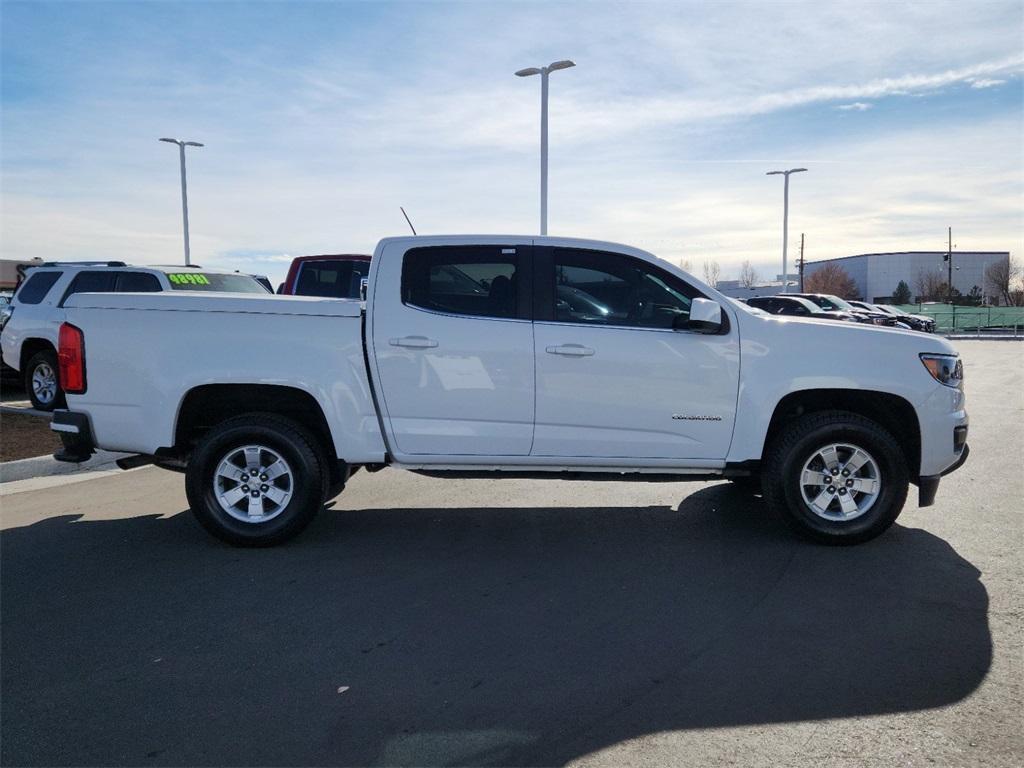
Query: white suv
[[30, 322]]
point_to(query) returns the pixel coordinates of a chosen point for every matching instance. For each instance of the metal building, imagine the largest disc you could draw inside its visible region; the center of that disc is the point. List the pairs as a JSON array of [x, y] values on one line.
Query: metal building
[[878, 274]]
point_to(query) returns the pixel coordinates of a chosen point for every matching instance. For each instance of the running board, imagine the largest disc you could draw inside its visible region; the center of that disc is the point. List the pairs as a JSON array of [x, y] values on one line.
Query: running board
[[565, 473]]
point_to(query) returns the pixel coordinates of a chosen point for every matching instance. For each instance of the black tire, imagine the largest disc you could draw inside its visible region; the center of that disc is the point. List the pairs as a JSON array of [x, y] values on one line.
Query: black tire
[[797, 443], [293, 443], [46, 359]]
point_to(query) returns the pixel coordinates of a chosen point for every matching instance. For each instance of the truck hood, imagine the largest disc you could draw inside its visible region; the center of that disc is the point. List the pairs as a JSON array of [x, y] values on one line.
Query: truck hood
[[856, 338], [208, 301]]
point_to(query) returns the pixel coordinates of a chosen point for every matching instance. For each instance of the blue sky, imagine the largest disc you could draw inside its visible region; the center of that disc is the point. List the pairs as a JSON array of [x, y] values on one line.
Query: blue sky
[[321, 119]]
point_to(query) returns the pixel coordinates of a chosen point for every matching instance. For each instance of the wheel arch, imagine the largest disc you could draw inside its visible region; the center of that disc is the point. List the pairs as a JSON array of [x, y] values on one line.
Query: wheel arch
[[32, 346], [207, 405], [892, 412]]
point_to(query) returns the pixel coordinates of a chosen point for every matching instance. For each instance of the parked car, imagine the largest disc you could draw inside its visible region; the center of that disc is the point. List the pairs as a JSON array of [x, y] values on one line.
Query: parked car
[[336, 276], [914, 322], [794, 306], [29, 324], [834, 303], [268, 404]]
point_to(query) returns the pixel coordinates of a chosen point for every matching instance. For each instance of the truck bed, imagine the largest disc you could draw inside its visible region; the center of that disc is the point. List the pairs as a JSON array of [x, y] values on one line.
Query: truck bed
[[145, 350]]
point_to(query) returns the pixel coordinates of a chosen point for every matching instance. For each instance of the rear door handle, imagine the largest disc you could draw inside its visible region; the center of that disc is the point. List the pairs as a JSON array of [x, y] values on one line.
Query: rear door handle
[[570, 350], [413, 342]]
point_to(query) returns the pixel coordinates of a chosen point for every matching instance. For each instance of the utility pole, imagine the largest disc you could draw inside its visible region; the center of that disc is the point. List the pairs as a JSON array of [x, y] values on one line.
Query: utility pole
[[949, 259], [544, 72], [801, 263], [184, 192], [785, 217]]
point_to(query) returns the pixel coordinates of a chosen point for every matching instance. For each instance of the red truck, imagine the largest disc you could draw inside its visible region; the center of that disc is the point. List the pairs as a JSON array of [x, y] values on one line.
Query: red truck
[[332, 275]]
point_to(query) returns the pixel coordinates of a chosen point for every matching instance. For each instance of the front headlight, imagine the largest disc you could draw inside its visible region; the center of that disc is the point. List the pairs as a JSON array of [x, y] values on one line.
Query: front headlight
[[945, 369]]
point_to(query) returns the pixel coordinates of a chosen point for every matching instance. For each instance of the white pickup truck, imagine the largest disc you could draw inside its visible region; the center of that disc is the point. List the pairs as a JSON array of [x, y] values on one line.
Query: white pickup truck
[[475, 356]]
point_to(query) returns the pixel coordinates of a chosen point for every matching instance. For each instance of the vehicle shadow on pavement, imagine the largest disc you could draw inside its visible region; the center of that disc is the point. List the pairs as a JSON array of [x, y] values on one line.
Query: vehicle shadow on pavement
[[516, 636]]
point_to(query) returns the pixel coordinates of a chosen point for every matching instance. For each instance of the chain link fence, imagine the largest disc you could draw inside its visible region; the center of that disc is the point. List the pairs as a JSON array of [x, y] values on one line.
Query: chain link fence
[[951, 318]]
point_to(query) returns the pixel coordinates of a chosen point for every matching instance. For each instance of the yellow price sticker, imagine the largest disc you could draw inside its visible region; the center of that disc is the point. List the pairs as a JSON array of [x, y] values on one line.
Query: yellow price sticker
[[188, 278]]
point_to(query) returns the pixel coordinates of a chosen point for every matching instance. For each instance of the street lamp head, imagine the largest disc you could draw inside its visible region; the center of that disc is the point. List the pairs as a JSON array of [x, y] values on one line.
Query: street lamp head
[[797, 170], [785, 173], [170, 141], [527, 72], [192, 144], [563, 64]]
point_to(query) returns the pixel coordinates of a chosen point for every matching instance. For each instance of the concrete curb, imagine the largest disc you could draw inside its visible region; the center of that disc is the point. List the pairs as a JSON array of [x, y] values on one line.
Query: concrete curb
[[47, 466], [981, 337], [26, 411]]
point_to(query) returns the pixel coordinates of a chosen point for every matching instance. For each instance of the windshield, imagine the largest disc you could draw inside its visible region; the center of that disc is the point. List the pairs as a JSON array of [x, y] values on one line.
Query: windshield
[[213, 281], [810, 306], [748, 308], [838, 303]]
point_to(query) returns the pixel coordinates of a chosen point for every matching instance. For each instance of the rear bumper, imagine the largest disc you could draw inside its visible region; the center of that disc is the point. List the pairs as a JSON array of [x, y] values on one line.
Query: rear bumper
[[75, 434]]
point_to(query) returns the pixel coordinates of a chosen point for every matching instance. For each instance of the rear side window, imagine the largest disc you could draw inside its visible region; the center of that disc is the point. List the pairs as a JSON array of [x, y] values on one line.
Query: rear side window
[[90, 282], [482, 281], [332, 279], [136, 282], [34, 290]]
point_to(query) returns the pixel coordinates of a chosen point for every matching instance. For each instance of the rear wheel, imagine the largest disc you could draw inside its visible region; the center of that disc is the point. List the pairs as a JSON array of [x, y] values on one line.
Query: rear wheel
[[836, 477], [256, 480], [41, 382]]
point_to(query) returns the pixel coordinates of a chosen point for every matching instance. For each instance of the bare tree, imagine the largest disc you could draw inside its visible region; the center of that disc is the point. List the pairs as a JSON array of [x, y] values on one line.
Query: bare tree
[[684, 264], [748, 275], [931, 286], [832, 279], [1002, 278], [712, 272]]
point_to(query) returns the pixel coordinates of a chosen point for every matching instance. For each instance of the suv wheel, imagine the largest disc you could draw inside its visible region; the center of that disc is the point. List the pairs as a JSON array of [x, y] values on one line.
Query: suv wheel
[[41, 381], [836, 477], [256, 480]]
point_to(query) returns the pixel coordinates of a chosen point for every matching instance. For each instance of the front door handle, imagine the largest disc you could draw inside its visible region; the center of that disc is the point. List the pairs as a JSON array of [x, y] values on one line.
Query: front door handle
[[570, 350], [413, 342]]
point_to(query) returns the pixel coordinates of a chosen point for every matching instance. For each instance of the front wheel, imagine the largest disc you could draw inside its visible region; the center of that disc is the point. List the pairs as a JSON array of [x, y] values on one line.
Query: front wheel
[[255, 480], [836, 477]]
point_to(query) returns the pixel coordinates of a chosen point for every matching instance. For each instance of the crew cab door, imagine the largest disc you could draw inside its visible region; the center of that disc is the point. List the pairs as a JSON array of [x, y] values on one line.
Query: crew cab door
[[614, 380], [453, 349]]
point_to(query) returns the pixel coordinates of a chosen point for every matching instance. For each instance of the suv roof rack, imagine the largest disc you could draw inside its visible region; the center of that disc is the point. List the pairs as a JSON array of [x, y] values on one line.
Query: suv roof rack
[[79, 264]]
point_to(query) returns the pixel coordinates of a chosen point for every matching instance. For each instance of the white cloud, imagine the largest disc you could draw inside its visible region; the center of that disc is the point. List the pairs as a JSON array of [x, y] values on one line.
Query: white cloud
[[983, 82], [857, 106]]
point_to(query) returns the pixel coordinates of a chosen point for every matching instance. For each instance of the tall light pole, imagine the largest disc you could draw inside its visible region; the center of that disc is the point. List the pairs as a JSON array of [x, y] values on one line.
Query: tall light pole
[[544, 72], [785, 219], [184, 193]]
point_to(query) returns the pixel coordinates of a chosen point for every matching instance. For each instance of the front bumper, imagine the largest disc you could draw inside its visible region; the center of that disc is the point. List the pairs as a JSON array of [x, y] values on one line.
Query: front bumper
[[928, 485], [75, 434]]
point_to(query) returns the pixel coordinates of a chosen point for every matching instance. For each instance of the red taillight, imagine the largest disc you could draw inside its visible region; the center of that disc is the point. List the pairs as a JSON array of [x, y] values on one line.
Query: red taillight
[[71, 359]]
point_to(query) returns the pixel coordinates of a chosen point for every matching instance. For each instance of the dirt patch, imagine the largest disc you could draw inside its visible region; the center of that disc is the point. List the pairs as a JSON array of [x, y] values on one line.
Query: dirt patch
[[22, 437]]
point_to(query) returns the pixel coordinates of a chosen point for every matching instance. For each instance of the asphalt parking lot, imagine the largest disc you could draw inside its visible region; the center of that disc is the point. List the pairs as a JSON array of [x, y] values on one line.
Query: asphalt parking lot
[[507, 622]]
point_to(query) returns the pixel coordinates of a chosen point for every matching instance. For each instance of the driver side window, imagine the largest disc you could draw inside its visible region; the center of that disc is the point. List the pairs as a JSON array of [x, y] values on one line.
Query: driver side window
[[600, 288]]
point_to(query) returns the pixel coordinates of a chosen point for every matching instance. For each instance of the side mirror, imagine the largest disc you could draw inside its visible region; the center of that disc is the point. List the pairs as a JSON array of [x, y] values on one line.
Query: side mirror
[[705, 317]]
